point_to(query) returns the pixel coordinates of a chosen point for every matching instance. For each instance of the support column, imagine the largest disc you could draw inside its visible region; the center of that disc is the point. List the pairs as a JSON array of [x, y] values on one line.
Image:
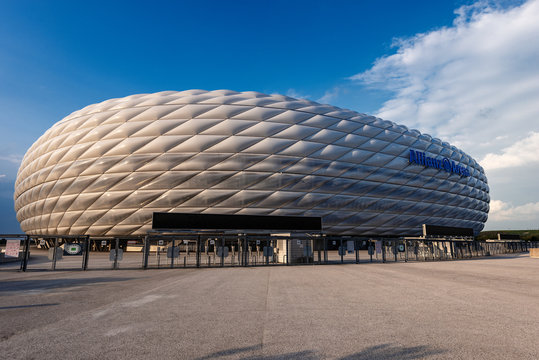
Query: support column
[[86, 252], [356, 249], [341, 250], [222, 251], [24, 260], [54, 253], [198, 252], [116, 247], [245, 251], [145, 252]]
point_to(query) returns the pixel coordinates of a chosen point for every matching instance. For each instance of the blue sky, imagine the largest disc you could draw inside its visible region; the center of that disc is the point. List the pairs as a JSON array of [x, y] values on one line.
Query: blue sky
[[60, 56]]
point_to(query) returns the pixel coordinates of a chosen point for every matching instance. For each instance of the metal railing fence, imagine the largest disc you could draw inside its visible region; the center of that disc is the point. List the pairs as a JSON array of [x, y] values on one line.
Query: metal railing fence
[[196, 250]]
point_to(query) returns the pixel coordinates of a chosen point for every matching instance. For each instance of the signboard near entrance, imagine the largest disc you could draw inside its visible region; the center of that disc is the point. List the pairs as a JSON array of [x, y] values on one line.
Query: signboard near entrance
[[12, 248], [183, 221], [435, 230], [72, 249]]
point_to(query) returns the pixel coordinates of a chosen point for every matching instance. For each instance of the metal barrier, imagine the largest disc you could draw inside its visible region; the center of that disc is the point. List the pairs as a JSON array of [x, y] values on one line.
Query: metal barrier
[[196, 250]]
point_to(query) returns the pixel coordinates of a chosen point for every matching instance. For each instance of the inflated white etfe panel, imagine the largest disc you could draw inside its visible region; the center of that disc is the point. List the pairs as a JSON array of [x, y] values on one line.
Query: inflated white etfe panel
[[105, 169]]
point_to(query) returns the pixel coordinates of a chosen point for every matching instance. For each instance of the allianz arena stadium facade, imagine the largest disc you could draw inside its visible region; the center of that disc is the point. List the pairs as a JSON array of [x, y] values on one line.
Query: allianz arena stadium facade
[[105, 169]]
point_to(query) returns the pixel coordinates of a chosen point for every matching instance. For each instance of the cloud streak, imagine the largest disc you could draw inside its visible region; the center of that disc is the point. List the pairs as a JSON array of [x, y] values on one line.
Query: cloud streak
[[12, 158], [477, 77], [522, 153], [503, 211], [296, 94], [476, 85], [329, 95]]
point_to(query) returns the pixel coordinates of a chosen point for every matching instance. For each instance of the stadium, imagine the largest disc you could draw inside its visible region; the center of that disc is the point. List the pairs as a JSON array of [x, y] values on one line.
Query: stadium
[[105, 170]]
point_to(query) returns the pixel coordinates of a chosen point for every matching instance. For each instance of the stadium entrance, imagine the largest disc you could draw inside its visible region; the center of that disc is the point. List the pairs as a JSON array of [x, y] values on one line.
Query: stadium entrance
[[209, 240]]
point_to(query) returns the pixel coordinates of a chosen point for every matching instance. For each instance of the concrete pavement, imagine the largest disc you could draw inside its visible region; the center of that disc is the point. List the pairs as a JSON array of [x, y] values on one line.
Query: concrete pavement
[[466, 309]]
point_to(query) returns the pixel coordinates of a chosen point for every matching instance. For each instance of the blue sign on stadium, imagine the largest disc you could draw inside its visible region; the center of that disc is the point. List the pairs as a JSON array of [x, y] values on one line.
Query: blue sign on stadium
[[420, 158]]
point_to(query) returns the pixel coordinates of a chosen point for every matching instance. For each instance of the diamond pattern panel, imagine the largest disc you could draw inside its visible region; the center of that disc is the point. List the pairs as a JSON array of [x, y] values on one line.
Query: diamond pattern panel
[[104, 169]]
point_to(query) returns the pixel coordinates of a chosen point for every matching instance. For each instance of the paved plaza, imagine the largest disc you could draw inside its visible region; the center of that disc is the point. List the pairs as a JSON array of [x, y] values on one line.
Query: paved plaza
[[467, 309]]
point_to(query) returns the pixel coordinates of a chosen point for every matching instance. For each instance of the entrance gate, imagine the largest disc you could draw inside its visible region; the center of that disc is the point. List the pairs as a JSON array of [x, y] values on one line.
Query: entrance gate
[[213, 249]]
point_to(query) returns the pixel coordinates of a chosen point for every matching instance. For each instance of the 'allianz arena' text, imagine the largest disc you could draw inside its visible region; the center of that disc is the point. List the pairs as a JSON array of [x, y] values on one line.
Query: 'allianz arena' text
[[105, 169]]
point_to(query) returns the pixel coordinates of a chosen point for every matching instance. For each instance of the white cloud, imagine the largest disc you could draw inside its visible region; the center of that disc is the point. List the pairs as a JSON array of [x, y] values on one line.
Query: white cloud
[[501, 211], [473, 81], [12, 158], [329, 95], [521, 153], [296, 94], [2, 176], [476, 85]]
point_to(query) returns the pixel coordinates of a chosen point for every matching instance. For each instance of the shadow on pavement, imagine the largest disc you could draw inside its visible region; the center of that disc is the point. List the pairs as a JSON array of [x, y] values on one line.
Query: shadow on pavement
[[383, 351], [491, 257], [230, 352], [26, 285], [26, 306], [394, 352]]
